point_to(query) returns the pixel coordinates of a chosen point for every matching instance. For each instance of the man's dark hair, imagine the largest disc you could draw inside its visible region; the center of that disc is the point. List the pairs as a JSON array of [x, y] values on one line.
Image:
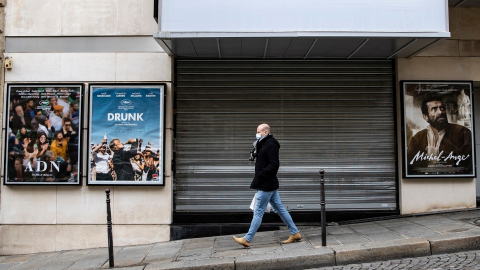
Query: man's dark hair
[[430, 98], [56, 134]]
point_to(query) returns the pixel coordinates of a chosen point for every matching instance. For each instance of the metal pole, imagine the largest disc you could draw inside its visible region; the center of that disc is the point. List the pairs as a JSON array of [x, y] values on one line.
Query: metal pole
[[322, 209], [109, 229]]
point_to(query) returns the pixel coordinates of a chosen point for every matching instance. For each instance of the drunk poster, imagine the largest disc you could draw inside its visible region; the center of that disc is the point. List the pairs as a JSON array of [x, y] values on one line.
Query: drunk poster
[[126, 135], [438, 132], [43, 134]]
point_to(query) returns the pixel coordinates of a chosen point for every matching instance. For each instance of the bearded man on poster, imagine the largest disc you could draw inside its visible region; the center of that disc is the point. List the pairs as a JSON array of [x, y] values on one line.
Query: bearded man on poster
[[440, 141], [121, 159]]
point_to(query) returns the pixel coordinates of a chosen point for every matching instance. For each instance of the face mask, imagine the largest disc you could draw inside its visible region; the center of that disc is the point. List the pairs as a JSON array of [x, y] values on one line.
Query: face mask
[[258, 136]]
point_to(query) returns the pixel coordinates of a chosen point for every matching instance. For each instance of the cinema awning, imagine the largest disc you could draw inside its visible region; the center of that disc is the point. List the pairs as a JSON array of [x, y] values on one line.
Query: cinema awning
[[301, 29]]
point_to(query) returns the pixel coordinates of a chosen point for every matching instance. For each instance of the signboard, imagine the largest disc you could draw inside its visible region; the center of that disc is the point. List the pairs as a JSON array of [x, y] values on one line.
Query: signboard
[[43, 134], [438, 132], [126, 135]]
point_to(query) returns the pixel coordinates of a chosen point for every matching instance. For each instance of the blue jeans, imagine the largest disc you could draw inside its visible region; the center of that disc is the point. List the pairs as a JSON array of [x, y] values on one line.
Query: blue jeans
[[263, 198]]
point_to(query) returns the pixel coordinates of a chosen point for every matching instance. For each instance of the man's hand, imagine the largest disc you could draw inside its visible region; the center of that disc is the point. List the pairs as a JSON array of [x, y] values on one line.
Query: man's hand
[[132, 140]]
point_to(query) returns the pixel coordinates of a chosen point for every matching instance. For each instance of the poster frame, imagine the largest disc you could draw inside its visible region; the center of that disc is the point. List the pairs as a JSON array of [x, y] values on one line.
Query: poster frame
[[404, 142], [163, 89], [6, 114]]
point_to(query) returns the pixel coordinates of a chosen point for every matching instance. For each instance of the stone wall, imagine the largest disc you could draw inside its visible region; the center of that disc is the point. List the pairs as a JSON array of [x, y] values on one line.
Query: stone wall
[[53, 218], [456, 58]]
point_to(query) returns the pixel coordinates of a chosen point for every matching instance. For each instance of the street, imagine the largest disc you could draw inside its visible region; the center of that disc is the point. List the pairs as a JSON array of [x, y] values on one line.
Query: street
[[468, 260]]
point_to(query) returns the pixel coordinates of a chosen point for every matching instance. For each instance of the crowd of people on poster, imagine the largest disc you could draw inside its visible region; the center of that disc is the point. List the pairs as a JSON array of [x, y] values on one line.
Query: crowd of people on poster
[[438, 121], [43, 134], [126, 135]]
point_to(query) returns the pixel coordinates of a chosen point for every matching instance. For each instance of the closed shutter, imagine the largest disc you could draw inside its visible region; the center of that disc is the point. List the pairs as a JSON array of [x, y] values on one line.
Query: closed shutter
[[336, 115]]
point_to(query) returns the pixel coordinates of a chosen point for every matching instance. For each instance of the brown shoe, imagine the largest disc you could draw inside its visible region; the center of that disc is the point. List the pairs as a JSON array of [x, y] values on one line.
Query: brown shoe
[[293, 238], [242, 241]]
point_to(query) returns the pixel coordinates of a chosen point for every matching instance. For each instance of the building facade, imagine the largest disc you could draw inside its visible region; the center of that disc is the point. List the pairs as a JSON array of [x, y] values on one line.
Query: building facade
[[327, 77]]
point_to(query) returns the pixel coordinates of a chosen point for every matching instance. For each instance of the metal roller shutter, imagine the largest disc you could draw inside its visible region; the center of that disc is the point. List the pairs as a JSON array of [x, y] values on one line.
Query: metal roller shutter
[[336, 115]]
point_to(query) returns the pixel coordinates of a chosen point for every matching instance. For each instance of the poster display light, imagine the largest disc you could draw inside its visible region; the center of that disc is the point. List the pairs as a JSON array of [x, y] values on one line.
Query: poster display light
[[438, 129], [126, 134]]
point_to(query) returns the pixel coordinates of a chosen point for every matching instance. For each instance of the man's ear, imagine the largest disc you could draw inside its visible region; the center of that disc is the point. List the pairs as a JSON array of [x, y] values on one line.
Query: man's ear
[[425, 117]]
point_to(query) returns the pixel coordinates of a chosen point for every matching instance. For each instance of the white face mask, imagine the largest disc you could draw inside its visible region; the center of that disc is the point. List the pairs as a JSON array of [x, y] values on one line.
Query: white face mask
[[258, 135]]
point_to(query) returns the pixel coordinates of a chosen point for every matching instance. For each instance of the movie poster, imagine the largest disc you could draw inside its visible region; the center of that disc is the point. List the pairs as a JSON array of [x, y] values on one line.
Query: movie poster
[[43, 134], [438, 129], [126, 135]]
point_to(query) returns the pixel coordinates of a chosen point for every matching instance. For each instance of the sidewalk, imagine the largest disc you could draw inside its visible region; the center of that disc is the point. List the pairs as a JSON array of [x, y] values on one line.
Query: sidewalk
[[354, 243]]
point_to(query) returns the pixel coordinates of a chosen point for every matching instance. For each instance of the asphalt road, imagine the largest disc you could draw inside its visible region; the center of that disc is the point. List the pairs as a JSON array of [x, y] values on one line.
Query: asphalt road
[[469, 260]]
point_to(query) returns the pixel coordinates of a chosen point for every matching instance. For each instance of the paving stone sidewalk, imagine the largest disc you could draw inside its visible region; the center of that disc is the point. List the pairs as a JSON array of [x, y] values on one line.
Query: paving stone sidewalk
[[346, 244]]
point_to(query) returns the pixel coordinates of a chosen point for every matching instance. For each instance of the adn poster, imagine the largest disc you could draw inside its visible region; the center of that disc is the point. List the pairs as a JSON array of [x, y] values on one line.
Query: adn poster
[[438, 132], [43, 134], [126, 135]]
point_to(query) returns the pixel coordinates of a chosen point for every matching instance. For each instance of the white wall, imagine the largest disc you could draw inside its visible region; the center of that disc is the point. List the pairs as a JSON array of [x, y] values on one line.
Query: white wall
[[53, 218], [40, 219], [79, 18]]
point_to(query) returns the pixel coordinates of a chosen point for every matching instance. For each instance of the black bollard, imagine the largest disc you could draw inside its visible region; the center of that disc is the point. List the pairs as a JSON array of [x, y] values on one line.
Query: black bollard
[[322, 209], [109, 229]]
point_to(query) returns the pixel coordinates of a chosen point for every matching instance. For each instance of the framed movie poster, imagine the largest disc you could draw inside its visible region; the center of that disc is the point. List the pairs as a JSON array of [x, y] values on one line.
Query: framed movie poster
[[126, 135], [43, 134], [438, 131]]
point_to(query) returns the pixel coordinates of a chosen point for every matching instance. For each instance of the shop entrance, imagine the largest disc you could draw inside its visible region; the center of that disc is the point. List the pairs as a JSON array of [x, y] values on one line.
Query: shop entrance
[[336, 115]]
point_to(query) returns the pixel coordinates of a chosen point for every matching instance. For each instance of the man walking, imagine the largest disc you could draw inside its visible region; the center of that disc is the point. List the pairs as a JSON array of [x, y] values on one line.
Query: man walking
[[266, 184]]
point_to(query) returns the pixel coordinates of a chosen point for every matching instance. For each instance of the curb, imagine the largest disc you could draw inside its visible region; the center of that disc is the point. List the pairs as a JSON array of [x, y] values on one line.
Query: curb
[[216, 264], [381, 251], [299, 259], [455, 242], [334, 255]]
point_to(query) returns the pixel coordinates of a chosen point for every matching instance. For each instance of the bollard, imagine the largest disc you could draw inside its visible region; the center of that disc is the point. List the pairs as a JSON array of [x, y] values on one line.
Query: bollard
[[322, 209], [109, 230]]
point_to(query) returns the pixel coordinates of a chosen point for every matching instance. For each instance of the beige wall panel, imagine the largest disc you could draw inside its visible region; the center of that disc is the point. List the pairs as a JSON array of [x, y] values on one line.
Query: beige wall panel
[[87, 67], [445, 47], [33, 18], [28, 205], [453, 23], [70, 237], [79, 17], [436, 68], [475, 73], [135, 17], [82, 205], [468, 23], [33, 67], [24, 239], [126, 235], [469, 48], [142, 205], [168, 152], [88, 17], [169, 107], [143, 67], [431, 195]]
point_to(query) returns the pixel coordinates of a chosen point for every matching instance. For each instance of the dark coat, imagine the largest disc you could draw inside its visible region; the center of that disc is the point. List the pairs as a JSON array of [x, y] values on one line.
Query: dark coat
[[122, 164], [267, 164], [16, 122]]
